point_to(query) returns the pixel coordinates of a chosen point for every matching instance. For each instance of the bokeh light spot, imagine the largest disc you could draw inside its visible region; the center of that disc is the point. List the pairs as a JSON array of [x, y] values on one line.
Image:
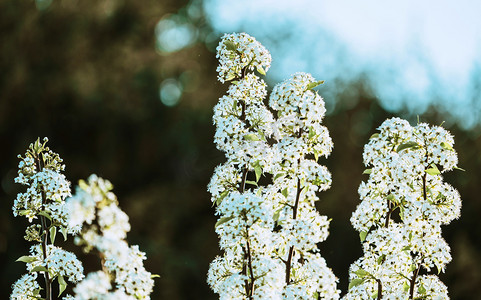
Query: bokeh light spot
[[170, 92]]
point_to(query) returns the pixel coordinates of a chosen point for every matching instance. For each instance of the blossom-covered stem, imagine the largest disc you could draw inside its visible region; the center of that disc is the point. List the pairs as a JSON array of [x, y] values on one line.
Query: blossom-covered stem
[[379, 289], [413, 282], [249, 288], [291, 249], [43, 221]]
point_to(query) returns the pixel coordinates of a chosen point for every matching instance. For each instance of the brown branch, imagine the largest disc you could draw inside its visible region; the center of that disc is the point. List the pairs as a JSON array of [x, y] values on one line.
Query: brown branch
[[43, 221], [294, 216]]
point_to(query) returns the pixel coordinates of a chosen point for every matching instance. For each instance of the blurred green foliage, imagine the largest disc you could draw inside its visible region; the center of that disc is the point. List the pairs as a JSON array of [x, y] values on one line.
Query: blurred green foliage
[[86, 74]]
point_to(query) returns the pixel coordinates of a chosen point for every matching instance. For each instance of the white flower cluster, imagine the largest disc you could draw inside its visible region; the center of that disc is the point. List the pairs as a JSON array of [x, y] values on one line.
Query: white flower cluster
[[44, 201], [105, 227], [403, 205], [266, 190]]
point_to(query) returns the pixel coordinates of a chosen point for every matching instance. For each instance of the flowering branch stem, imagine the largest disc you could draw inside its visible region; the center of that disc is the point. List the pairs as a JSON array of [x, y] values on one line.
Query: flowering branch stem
[[379, 289], [413, 282], [416, 272], [291, 249], [43, 221]]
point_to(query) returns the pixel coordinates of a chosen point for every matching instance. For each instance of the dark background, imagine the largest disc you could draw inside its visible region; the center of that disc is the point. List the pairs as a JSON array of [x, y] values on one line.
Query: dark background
[[86, 74]]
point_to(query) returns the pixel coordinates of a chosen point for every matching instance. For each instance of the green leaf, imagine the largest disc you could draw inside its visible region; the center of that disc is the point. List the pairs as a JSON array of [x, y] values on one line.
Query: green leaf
[[258, 170], [374, 295], [285, 192], [221, 197], [421, 289], [62, 285], [460, 169], [231, 46], [381, 259], [390, 197], [407, 145], [312, 133], [45, 214], [251, 137], [39, 269], [316, 156], [361, 273], [367, 171], [412, 268], [278, 175], [406, 248], [27, 259], [362, 235], [261, 70], [405, 286], [355, 282], [251, 182], [276, 215], [223, 220], [230, 76], [374, 136], [447, 146], [433, 170], [314, 84], [63, 231], [53, 233]]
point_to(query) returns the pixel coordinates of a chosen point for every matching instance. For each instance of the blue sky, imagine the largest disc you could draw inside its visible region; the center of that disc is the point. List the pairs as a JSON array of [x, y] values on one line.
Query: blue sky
[[414, 53]]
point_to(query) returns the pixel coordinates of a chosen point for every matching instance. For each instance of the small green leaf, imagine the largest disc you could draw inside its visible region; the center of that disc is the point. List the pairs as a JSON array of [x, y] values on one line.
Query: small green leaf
[[261, 70], [367, 171], [223, 220], [278, 175], [381, 259], [405, 286], [251, 137], [421, 289], [390, 197], [258, 170], [231, 46], [221, 197], [433, 170], [361, 273], [447, 146], [27, 259], [314, 84], [460, 169], [316, 156], [251, 182], [374, 295], [63, 231], [355, 282], [53, 233], [362, 235], [45, 214], [312, 133], [412, 268], [407, 145], [39, 269], [62, 285], [285, 192], [374, 136], [276, 215], [406, 248], [230, 76]]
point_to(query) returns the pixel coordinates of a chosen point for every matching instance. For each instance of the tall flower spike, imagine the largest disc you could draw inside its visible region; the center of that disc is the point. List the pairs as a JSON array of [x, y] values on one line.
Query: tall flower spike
[[95, 207], [44, 201], [403, 205], [265, 192]]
